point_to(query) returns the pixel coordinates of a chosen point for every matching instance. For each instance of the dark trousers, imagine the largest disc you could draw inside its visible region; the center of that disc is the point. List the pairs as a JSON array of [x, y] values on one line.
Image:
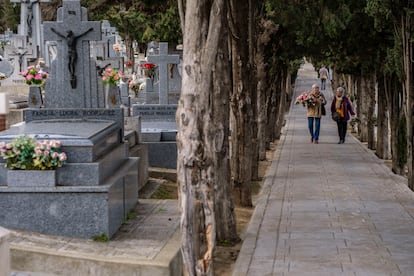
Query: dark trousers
[[342, 126], [323, 84]]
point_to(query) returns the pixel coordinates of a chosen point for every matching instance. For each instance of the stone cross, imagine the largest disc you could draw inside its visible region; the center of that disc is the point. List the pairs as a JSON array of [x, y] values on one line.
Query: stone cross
[[163, 60], [73, 82], [109, 38], [30, 20], [19, 57]]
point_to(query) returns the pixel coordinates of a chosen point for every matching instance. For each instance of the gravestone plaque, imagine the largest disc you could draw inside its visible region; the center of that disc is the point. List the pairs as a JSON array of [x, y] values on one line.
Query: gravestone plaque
[[73, 78], [163, 60], [155, 112]]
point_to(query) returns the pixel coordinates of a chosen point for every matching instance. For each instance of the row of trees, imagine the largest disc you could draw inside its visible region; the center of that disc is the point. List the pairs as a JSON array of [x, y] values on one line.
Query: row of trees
[[367, 43], [240, 58]]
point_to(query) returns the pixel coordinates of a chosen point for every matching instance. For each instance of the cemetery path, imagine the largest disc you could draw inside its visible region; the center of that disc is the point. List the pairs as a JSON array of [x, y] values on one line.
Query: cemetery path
[[327, 208]]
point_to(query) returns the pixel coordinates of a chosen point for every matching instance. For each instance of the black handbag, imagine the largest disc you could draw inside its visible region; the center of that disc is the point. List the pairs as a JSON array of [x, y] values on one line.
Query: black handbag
[[323, 110], [335, 116]]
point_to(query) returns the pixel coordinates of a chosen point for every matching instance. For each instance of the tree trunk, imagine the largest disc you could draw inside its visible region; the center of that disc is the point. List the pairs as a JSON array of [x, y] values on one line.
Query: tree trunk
[[273, 107], [252, 40], [394, 95], [407, 26], [372, 121], [266, 29], [223, 202], [241, 105], [197, 135], [129, 46], [363, 105], [280, 118], [382, 149]]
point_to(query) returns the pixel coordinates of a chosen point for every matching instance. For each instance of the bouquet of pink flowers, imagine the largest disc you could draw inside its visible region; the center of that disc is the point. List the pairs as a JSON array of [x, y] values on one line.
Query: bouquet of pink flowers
[[306, 98], [111, 76], [34, 75], [26, 153]]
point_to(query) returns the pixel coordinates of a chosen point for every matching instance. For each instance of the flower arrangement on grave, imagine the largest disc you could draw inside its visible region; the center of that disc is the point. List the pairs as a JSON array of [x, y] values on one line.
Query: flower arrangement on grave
[[111, 76], [149, 69], [26, 153], [128, 64], [306, 98], [134, 84], [34, 75], [116, 47]]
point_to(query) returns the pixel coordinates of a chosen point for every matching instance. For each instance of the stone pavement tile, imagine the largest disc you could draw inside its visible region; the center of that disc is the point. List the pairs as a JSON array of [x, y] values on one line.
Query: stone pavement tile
[[322, 266], [349, 234], [312, 235], [261, 266], [371, 266]]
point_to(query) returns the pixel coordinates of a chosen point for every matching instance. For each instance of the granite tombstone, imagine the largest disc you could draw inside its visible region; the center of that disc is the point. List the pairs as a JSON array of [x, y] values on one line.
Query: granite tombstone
[[98, 185]]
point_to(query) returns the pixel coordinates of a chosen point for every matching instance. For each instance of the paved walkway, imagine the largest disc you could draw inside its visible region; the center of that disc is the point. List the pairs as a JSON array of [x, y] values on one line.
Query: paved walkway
[[328, 209]]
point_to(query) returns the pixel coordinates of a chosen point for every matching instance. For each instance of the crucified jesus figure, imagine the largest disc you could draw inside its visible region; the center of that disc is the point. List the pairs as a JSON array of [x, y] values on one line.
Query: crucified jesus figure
[[71, 40], [20, 60]]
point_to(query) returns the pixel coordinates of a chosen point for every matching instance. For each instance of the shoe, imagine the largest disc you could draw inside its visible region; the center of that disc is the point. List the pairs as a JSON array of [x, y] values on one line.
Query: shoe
[[316, 142], [311, 139], [340, 142]]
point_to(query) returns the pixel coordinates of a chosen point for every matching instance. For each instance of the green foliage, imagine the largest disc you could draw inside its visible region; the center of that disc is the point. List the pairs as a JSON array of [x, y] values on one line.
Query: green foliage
[[142, 21], [10, 16], [100, 238]]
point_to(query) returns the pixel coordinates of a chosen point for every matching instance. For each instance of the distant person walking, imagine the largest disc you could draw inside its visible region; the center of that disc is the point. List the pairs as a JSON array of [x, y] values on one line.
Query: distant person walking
[[323, 75], [314, 113], [343, 106]]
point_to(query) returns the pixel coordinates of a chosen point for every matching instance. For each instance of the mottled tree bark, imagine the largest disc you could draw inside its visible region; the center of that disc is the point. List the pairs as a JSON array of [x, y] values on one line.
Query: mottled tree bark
[[223, 202], [372, 121], [407, 25], [241, 105], [382, 148], [197, 135]]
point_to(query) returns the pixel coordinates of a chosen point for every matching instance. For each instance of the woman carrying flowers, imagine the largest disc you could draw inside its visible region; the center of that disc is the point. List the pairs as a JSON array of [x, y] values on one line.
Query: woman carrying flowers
[[315, 100]]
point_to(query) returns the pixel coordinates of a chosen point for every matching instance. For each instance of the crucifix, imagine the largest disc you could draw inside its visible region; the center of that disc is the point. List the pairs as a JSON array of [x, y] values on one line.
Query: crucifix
[[71, 40], [163, 60], [73, 83], [20, 59], [19, 56]]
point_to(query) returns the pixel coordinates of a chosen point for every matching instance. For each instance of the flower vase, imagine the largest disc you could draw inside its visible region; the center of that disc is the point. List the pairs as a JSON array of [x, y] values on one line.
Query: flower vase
[[111, 97], [35, 97]]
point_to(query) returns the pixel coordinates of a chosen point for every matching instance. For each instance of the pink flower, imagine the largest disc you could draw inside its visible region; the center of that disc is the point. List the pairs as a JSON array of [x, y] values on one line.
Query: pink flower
[[62, 156]]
